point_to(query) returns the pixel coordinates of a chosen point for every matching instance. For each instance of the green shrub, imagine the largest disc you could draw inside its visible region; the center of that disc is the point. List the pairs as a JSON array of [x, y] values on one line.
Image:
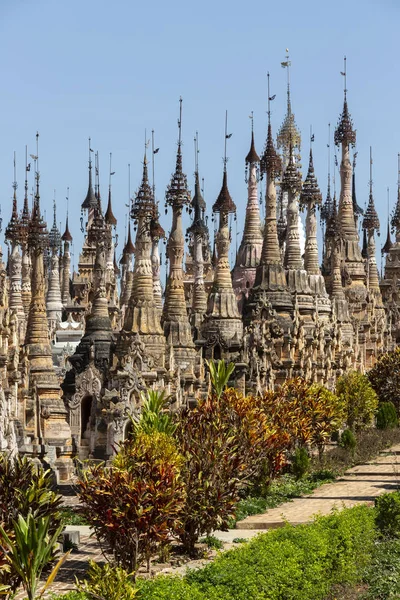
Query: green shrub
[[386, 416], [383, 574], [359, 398], [212, 542], [288, 563], [134, 505], [300, 463], [385, 378], [25, 488], [108, 582], [388, 514], [348, 440]]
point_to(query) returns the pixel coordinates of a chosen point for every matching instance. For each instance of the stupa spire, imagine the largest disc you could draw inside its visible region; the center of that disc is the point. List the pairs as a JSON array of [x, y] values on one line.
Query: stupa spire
[[249, 253], [396, 215], [198, 231], [90, 200], [388, 244], [66, 261], [157, 233], [175, 321], [223, 327], [288, 135], [291, 183], [109, 215], [310, 198], [370, 225]]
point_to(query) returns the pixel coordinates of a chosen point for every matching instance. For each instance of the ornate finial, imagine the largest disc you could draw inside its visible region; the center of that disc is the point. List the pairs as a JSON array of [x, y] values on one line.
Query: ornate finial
[[90, 200], [143, 206], [198, 204], [109, 216], [388, 244], [177, 194], [291, 181], [66, 236], [357, 210], [154, 151], [54, 234], [129, 248], [270, 161], [310, 193], [12, 229], [252, 156], [38, 237], [345, 134], [224, 203], [371, 219], [396, 215], [326, 209], [288, 133]]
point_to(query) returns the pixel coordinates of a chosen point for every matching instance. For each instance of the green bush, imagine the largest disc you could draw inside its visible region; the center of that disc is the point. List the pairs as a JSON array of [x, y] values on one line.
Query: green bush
[[292, 562], [385, 378], [109, 582], [383, 574], [25, 488], [359, 398], [388, 514], [212, 542], [300, 463], [386, 417], [348, 440]]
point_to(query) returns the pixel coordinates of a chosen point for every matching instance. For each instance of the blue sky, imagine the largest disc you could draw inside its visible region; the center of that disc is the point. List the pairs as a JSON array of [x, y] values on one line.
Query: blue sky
[[111, 69]]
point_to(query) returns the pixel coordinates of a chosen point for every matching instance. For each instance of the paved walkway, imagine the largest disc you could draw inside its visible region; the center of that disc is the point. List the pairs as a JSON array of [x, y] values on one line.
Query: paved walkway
[[361, 484]]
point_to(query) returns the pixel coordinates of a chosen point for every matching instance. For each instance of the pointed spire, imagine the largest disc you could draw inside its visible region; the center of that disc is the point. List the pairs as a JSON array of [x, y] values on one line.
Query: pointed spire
[[388, 244], [358, 211], [289, 134], [396, 215], [25, 215], [66, 236], [129, 248], [90, 200], [371, 219], [364, 251], [291, 181], [326, 209], [38, 237], [109, 216], [12, 229], [224, 203], [177, 193], [310, 193], [345, 134], [54, 234], [252, 156]]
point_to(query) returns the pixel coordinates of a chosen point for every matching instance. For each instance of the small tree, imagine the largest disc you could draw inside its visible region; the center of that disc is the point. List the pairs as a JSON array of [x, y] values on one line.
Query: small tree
[[25, 488], [215, 468], [154, 415], [30, 550], [135, 504], [385, 378], [359, 399], [220, 372]]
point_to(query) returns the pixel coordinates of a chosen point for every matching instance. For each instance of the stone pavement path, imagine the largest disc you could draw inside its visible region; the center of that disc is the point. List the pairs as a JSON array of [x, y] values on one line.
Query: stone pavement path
[[361, 484]]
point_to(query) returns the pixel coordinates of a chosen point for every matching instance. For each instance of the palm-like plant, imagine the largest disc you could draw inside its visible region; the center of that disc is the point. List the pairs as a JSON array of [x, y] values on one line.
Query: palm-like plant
[[154, 416], [31, 550], [220, 372]]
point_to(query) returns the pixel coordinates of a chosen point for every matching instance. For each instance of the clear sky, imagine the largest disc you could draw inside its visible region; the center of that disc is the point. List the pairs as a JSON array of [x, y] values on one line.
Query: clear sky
[[109, 70]]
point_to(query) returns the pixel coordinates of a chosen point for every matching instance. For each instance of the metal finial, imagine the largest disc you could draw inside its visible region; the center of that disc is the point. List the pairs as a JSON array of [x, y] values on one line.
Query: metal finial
[[180, 122], [398, 172], [153, 153], [286, 65], [196, 152], [227, 137], [370, 170], [329, 155], [15, 184], [90, 154], [344, 73]]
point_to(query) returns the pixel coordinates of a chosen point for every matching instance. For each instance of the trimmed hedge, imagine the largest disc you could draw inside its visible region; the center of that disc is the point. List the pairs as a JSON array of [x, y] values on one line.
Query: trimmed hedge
[[301, 562]]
